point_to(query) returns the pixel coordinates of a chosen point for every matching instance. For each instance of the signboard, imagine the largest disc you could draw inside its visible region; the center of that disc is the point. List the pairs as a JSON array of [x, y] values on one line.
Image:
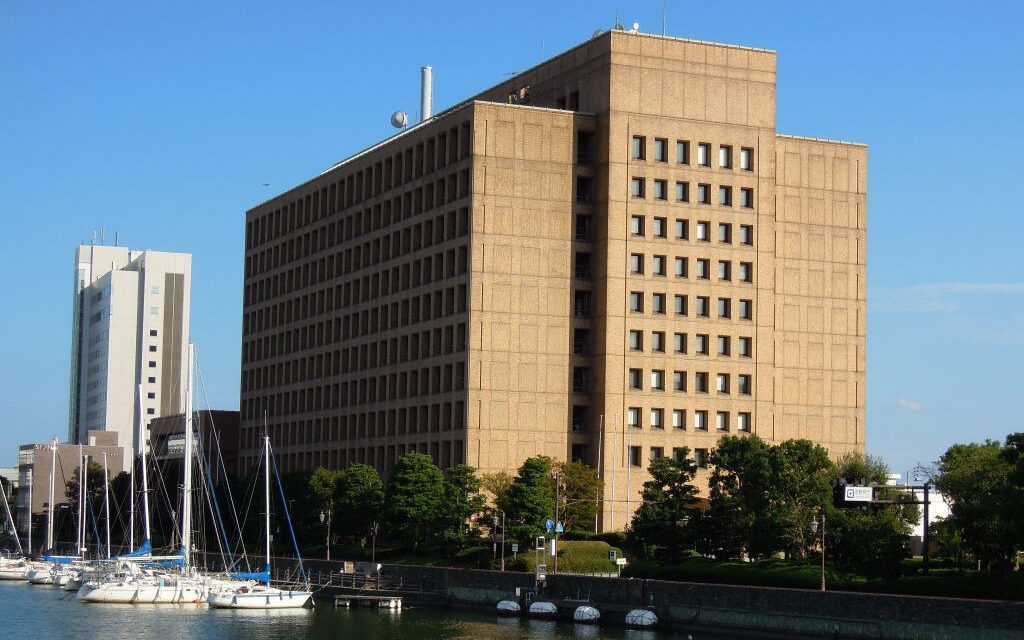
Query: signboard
[[559, 528], [549, 525], [542, 572], [613, 555], [515, 547], [620, 562], [858, 494]]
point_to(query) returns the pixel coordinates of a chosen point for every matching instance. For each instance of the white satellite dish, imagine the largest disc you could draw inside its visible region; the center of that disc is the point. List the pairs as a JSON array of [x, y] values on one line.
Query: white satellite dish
[[636, 27], [399, 119]]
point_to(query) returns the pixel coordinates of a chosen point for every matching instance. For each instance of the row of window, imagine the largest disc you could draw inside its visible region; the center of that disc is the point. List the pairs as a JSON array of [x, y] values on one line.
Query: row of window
[[744, 311], [723, 381], [723, 419], [659, 191], [701, 343], [659, 229], [659, 267], [700, 456], [660, 149]]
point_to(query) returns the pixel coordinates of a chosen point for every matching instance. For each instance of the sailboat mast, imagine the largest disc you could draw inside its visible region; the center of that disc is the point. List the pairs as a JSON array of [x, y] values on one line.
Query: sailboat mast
[[29, 512], [81, 500], [266, 487], [145, 486], [186, 508], [49, 515], [10, 518], [106, 500]]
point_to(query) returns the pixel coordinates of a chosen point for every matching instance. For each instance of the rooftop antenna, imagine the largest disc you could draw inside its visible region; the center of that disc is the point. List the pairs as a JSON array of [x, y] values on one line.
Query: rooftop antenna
[[664, 16], [618, 25], [116, 237], [400, 120], [426, 93], [101, 236], [542, 46]]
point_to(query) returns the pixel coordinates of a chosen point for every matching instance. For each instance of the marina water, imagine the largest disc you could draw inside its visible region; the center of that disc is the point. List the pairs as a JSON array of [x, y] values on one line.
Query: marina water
[[29, 611]]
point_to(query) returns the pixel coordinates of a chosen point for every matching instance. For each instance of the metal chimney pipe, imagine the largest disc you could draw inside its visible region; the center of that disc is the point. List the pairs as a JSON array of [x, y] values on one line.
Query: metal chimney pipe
[[426, 93]]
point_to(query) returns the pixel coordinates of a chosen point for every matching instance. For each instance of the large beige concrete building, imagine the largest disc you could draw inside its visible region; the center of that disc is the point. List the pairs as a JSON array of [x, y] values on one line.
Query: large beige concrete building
[[606, 258], [130, 328]]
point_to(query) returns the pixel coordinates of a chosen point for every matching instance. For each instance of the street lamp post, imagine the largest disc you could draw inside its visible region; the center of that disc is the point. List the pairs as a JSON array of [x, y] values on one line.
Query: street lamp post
[[814, 529], [326, 515]]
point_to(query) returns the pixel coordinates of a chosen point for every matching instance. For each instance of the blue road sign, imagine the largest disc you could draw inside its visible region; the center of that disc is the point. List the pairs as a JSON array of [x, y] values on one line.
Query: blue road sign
[[550, 525]]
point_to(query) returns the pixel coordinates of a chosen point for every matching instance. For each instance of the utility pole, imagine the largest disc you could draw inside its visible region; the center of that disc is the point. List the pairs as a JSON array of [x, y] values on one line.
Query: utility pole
[[503, 540], [554, 543]]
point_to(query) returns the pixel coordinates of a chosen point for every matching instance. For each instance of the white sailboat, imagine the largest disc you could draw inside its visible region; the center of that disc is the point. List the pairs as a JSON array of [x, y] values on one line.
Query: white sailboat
[[260, 596]]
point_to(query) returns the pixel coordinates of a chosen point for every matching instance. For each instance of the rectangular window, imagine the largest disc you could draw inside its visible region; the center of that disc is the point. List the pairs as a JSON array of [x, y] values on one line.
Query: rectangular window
[[657, 418], [150, 411], [657, 452], [725, 157], [747, 198], [658, 341], [746, 272], [725, 232], [703, 268], [154, 289], [745, 349], [747, 159], [678, 419], [723, 345], [636, 225], [682, 267], [636, 378], [636, 340], [661, 190], [703, 193], [681, 305], [703, 306], [152, 348], [682, 229], [682, 192], [679, 380], [637, 187], [658, 303], [700, 382], [746, 310], [636, 263], [704, 154], [743, 422], [634, 456], [638, 148], [722, 421], [700, 420], [743, 384], [151, 396], [700, 343], [658, 265], [724, 270], [679, 454], [152, 364], [679, 342], [725, 196], [724, 308], [700, 456], [659, 229], [152, 333], [151, 380], [682, 152], [722, 383], [704, 231], [657, 380], [636, 301], [746, 234], [661, 149], [154, 311], [633, 417]]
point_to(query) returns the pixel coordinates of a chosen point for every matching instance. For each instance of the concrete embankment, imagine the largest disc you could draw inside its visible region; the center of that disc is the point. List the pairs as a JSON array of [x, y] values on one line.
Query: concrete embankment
[[688, 605]]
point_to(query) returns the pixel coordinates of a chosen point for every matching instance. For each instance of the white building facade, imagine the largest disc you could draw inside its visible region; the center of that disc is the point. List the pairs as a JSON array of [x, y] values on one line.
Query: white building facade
[[130, 327]]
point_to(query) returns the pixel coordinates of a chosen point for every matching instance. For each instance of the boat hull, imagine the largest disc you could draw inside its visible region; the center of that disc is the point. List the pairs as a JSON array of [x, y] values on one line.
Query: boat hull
[[272, 600], [129, 593]]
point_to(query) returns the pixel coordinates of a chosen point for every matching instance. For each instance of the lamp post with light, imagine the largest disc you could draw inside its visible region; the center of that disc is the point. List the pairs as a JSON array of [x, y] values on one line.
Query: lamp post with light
[[325, 514], [814, 529]]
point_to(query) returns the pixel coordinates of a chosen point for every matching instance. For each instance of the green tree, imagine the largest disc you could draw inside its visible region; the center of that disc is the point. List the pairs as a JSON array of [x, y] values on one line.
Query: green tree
[[578, 488], [414, 497], [530, 501], [358, 500], [740, 483], [801, 474], [462, 502], [976, 479], [496, 485], [322, 484], [662, 526]]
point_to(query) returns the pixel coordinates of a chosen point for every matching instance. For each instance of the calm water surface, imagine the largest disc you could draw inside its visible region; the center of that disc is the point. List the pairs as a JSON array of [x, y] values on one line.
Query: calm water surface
[[31, 611]]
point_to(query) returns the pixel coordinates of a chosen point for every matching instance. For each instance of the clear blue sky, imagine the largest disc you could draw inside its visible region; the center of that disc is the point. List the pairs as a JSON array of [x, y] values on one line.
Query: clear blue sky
[[161, 121]]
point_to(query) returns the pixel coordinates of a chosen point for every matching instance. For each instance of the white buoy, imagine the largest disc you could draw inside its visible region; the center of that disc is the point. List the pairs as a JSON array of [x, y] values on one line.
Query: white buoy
[[586, 613], [641, 618], [543, 610], [509, 608]]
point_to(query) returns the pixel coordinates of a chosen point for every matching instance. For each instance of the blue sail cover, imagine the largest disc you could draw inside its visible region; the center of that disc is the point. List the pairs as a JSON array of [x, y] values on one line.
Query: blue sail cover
[[61, 559], [144, 551], [259, 576]]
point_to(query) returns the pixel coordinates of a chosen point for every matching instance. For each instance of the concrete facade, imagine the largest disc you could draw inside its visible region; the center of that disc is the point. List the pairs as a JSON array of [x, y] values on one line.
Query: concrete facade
[[130, 327], [217, 440], [606, 258]]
